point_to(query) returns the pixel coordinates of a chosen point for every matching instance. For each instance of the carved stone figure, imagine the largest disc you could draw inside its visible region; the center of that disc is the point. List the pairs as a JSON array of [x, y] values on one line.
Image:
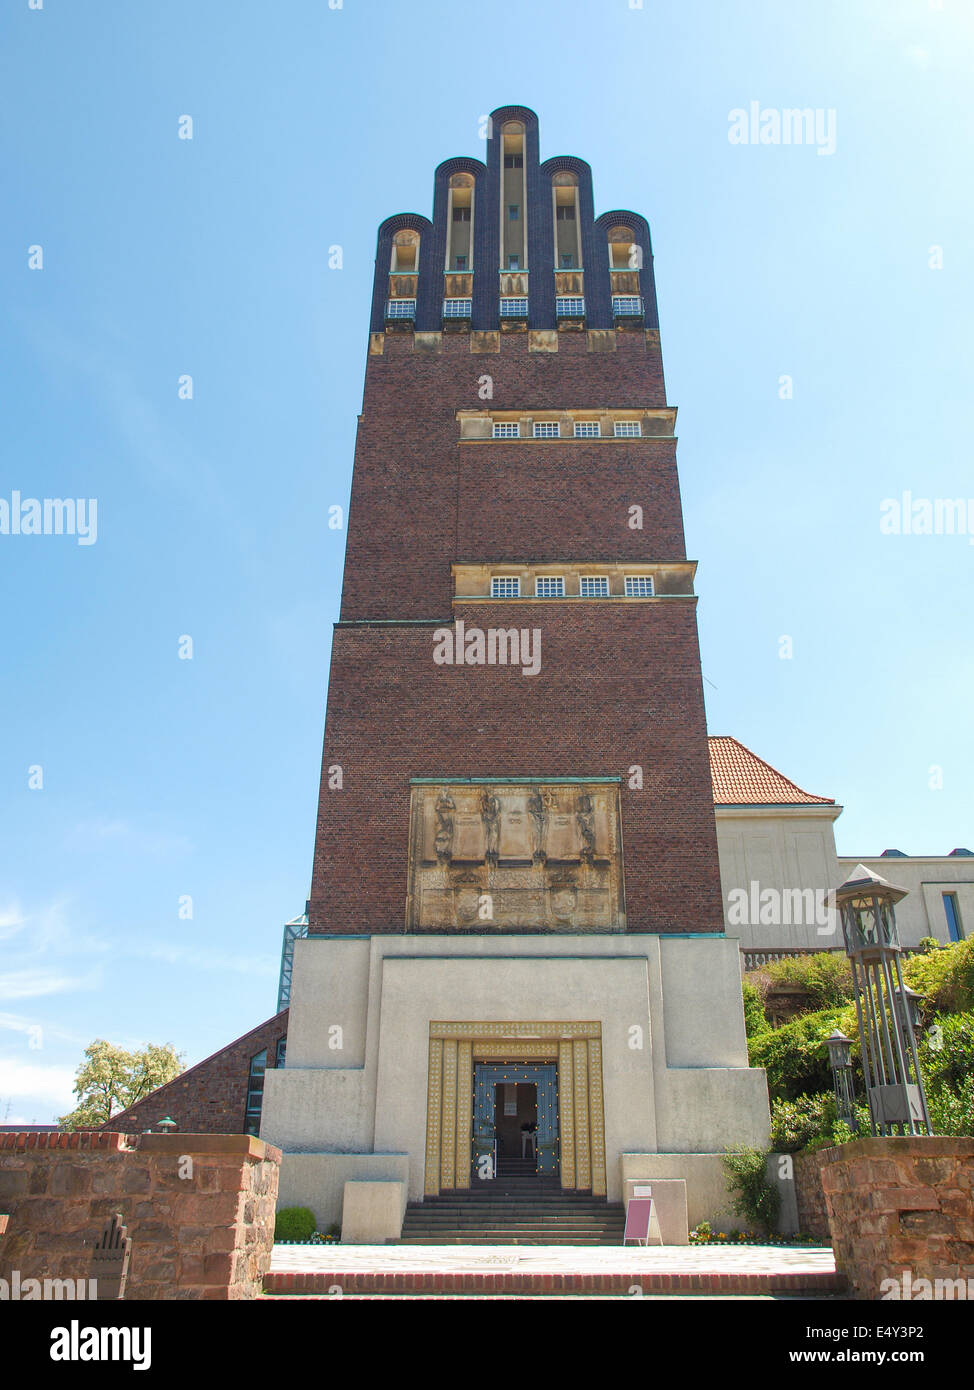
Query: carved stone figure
[[490, 809], [445, 808], [539, 814], [585, 815]]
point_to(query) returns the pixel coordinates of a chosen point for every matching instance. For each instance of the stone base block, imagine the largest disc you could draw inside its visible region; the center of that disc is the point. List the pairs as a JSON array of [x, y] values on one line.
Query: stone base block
[[372, 1212], [317, 1180], [670, 1200]]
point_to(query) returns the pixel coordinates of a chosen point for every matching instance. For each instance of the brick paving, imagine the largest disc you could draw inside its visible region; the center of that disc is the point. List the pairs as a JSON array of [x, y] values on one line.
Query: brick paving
[[687, 1271]]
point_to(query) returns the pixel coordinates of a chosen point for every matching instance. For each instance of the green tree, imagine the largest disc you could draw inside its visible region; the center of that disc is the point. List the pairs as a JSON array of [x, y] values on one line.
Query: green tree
[[111, 1079]]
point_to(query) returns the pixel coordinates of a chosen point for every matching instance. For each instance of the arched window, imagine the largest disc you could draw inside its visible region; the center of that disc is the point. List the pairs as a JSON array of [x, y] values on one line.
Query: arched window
[[514, 249], [624, 253], [459, 231], [567, 240], [405, 253]]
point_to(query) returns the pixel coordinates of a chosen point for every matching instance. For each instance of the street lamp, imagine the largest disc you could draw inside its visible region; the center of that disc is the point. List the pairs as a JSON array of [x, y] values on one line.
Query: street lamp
[[894, 1086], [840, 1060]]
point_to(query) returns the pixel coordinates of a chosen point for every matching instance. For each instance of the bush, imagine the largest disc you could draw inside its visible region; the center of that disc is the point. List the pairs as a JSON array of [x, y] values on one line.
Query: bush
[[294, 1223], [795, 1056], [952, 1111], [928, 944], [825, 977], [752, 1195], [755, 1019], [945, 977], [811, 1122]]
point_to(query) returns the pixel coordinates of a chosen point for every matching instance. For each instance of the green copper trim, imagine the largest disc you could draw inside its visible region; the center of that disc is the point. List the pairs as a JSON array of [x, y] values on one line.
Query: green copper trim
[[506, 781]]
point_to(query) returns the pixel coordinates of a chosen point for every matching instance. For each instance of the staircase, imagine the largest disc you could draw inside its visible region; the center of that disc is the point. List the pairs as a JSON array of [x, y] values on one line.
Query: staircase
[[518, 1207]]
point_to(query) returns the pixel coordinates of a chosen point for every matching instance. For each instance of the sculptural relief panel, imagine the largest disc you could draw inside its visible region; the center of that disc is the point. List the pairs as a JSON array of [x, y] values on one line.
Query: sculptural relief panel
[[509, 856]]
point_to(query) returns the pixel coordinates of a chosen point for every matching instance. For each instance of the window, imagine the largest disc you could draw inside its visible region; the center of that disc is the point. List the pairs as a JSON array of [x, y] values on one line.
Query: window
[[461, 263], [953, 916], [514, 308], [566, 213], [506, 429], [567, 261], [546, 429], [627, 306], [513, 212], [514, 161], [281, 1051], [514, 262], [594, 586], [570, 306], [549, 586], [255, 1093], [587, 429], [456, 308], [461, 214], [401, 309], [505, 586], [627, 429], [639, 586]]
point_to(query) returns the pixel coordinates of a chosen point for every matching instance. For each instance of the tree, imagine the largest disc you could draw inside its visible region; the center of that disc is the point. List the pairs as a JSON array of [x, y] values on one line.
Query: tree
[[111, 1079]]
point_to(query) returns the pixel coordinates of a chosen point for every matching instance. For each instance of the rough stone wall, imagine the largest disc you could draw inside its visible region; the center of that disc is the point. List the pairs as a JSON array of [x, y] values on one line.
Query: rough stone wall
[[813, 1217], [898, 1206], [199, 1209]]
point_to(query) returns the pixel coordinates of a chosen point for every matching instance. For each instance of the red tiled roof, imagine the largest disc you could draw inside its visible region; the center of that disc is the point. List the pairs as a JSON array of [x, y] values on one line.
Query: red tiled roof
[[741, 778]]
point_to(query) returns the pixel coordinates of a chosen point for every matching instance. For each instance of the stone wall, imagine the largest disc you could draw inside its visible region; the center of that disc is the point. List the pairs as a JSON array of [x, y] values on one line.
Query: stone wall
[[898, 1207], [199, 1209], [813, 1217]]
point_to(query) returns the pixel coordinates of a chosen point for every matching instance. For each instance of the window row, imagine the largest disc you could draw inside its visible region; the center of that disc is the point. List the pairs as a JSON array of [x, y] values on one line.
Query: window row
[[553, 586], [583, 429], [514, 307]]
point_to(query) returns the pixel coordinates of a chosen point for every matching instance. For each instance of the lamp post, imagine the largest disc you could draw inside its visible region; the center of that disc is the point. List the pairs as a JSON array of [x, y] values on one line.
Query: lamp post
[[894, 1086], [840, 1060]]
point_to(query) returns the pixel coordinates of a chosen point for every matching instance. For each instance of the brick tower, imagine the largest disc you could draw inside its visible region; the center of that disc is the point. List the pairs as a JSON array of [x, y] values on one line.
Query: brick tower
[[515, 862]]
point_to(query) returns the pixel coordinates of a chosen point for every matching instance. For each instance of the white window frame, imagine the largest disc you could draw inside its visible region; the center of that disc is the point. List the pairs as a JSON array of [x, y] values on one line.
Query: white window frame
[[618, 300], [508, 312], [457, 308], [547, 429], [497, 580], [601, 579], [588, 429], [540, 580], [634, 581], [506, 429], [570, 306], [400, 308], [627, 429]]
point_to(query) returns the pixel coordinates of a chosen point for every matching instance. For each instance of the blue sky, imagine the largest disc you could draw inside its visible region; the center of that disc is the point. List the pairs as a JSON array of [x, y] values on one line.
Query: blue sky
[[163, 257]]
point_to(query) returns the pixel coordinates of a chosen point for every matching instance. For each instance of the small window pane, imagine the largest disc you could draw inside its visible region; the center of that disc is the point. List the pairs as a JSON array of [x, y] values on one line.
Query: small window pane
[[627, 429], [504, 429], [513, 212], [461, 214], [514, 161], [514, 262], [546, 429], [567, 261], [570, 306], [639, 586], [549, 586], [505, 586], [456, 308], [594, 586], [627, 306], [461, 263], [587, 429], [401, 309], [514, 308]]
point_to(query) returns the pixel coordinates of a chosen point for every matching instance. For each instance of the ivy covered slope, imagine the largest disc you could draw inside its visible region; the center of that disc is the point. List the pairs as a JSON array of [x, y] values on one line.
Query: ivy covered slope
[[817, 990]]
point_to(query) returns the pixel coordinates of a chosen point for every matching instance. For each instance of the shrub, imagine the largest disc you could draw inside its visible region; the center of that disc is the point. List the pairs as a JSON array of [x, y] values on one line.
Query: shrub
[[825, 977], [812, 1122], [294, 1223], [752, 1195], [755, 1019], [952, 1111], [795, 1055], [927, 944], [945, 977]]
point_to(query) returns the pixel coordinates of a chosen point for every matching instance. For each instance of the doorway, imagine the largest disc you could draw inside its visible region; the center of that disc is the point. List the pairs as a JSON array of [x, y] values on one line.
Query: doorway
[[510, 1098]]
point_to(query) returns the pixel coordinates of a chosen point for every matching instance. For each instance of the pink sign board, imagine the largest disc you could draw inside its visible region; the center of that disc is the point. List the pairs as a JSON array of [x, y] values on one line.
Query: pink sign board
[[638, 1216]]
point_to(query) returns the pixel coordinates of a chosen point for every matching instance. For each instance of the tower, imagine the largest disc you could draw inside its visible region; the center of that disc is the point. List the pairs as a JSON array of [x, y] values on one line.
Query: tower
[[515, 873]]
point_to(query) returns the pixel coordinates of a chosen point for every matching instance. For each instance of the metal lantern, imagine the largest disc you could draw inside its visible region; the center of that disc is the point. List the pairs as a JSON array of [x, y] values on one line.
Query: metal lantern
[[894, 1086], [840, 1060]]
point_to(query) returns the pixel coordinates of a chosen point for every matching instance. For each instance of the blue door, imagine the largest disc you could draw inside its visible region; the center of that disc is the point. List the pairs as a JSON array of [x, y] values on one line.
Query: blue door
[[486, 1076]]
